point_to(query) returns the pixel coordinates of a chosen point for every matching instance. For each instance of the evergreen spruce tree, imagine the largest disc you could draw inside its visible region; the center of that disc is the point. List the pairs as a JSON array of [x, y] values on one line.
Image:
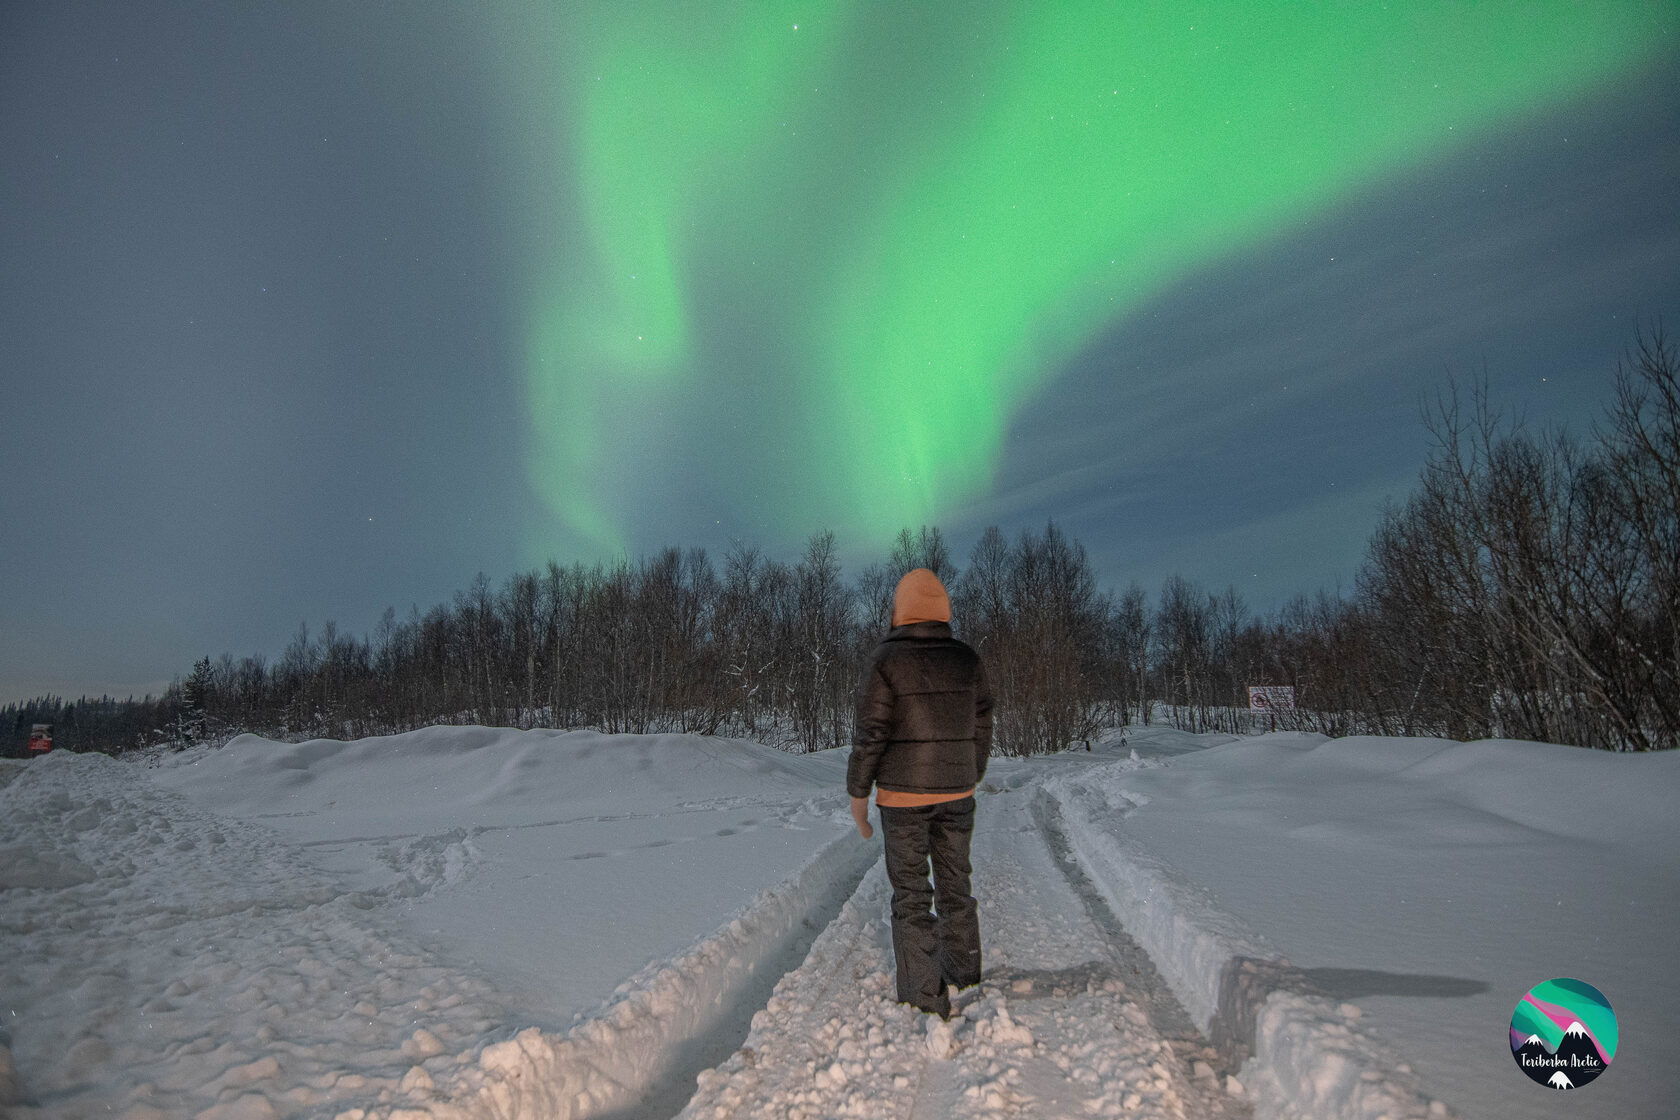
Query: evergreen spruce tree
[[195, 693]]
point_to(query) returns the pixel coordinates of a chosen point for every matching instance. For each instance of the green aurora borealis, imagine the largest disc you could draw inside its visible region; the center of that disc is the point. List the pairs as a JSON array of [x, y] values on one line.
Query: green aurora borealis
[[830, 250]]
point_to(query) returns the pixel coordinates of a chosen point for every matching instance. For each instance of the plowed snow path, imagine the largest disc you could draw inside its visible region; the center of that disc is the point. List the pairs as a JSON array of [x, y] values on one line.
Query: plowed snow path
[[1070, 1020]]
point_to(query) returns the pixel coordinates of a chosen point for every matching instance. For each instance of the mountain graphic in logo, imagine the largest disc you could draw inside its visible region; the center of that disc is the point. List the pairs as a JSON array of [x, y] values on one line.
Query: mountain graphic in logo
[[1563, 1033]]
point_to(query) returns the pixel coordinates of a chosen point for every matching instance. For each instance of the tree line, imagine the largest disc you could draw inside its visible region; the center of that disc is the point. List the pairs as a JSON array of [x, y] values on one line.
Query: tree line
[[1529, 587], [88, 723]]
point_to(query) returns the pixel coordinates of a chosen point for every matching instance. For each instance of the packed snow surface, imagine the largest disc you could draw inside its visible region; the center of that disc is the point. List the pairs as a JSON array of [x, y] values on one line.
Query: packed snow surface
[[1069, 1019], [468, 922]]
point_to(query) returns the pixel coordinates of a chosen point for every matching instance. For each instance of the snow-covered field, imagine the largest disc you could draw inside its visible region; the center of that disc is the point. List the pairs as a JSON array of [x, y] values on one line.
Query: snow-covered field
[[466, 922]]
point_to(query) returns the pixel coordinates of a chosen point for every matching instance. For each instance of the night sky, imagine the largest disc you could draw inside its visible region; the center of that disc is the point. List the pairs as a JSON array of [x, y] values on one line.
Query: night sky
[[307, 310]]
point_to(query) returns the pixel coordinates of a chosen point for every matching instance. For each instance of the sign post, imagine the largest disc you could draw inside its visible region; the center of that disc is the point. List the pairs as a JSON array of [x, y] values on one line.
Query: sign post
[[1271, 699]]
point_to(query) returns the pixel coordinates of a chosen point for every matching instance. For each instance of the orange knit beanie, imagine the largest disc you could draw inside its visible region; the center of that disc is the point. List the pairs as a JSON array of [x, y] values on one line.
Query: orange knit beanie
[[920, 598]]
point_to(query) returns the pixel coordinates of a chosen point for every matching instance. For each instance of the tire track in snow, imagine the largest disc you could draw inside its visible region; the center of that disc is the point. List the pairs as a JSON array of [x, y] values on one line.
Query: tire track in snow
[[1208, 1066], [1055, 1028], [1305, 1054]]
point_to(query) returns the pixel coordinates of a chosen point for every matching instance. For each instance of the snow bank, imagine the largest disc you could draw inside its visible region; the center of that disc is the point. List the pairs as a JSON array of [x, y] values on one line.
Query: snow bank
[[494, 845], [1184, 932], [1353, 910], [250, 931], [497, 774], [1306, 1058], [646, 1035], [1310, 1059]]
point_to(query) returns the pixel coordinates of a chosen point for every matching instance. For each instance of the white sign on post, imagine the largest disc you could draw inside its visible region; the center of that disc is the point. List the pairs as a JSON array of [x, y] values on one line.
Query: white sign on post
[[1271, 698]]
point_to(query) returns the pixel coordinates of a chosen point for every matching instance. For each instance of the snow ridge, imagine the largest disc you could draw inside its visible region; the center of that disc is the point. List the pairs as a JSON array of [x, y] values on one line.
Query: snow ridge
[[634, 1046], [1307, 1059], [1178, 924]]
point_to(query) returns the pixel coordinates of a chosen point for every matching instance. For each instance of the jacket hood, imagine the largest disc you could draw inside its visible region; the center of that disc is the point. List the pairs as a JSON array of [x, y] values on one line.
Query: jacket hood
[[920, 597]]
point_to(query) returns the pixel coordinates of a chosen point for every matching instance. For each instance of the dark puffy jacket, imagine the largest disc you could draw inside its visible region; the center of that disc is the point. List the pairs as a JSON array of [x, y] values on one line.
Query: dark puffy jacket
[[924, 715]]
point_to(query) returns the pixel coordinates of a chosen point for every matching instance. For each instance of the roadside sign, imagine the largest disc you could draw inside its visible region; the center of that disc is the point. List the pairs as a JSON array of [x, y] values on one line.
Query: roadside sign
[[1271, 698], [40, 739]]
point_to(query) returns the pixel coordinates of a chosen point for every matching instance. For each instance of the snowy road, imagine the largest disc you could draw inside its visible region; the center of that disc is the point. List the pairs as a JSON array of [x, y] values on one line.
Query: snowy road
[[253, 933], [167, 961], [1071, 1019]]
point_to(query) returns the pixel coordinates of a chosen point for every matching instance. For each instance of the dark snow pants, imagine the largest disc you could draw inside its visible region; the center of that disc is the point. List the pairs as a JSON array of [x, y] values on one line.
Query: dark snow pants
[[935, 930]]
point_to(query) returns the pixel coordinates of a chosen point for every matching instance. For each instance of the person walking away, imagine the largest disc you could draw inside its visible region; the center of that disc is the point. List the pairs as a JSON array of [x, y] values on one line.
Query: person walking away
[[921, 740]]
